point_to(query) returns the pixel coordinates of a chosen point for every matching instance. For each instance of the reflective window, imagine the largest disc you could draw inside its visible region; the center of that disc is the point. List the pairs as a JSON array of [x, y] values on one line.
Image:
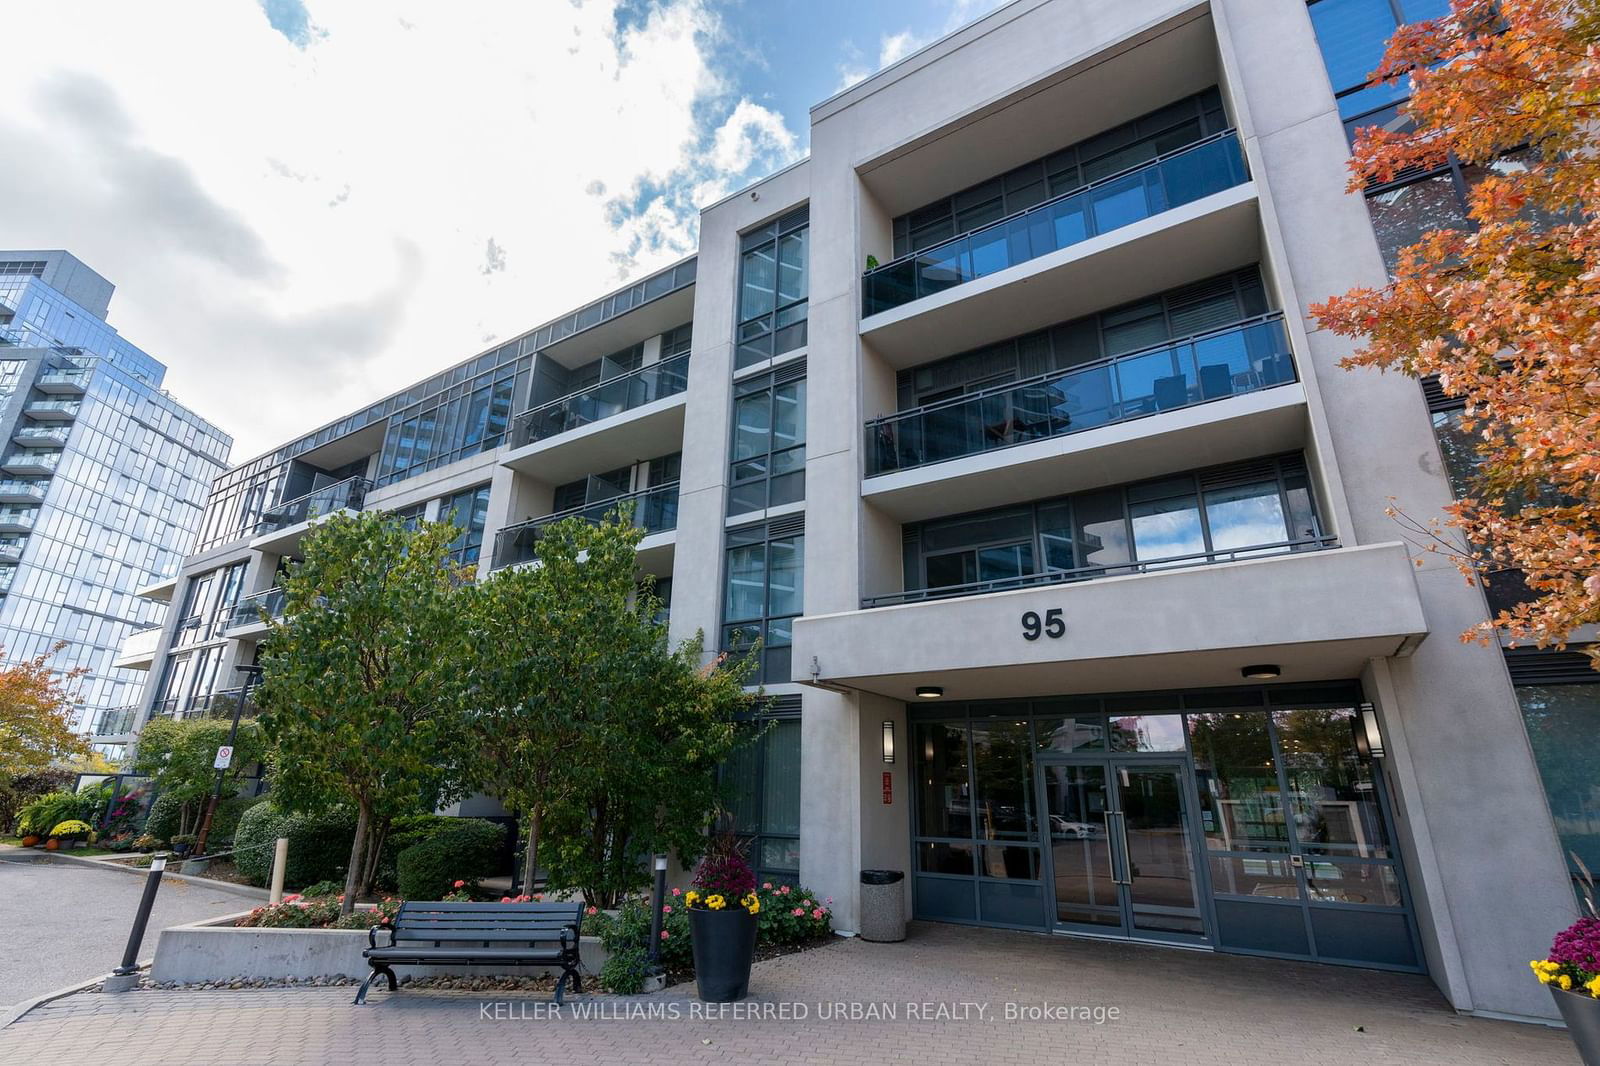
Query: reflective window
[[769, 434], [763, 783], [469, 510], [773, 289], [1563, 723], [1241, 807], [764, 592], [1331, 793]]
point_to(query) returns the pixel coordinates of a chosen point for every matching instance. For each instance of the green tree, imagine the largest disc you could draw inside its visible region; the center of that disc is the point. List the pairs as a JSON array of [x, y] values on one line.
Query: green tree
[[584, 719], [361, 680], [35, 716], [178, 758]]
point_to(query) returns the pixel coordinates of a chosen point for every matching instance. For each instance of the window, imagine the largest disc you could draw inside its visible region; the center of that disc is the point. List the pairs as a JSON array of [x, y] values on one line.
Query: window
[[773, 287], [1559, 693], [763, 593], [769, 433], [1353, 35], [457, 421], [763, 782], [469, 511]]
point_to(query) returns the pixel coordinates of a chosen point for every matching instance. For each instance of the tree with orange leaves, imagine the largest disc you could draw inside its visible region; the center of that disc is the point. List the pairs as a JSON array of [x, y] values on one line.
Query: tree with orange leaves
[[35, 728], [1506, 313]]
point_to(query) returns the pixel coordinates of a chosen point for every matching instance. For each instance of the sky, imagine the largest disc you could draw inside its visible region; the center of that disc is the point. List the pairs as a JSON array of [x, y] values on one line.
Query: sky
[[308, 204]]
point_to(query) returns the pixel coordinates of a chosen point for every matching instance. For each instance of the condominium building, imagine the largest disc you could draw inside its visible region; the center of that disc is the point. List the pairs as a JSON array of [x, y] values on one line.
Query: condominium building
[[1000, 422], [102, 484]]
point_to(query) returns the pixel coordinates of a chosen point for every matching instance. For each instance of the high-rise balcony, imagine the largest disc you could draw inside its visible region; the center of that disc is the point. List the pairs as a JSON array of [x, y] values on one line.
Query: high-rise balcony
[[70, 382], [252, 613], [1172, 180], [1242, 358], [8, 574], [138, 649], [653, 510], [42, 436], [281, 527], [11, 549], [29, 462], [18, 519], [13, 491], [605, 400], [52, 410], [116, 722]]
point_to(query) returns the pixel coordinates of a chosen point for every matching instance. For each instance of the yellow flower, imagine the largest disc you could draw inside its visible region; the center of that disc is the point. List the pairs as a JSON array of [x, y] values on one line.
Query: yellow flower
[[752, 904], [716, 903], [691, 899], [1594, 987], [1566, 983]]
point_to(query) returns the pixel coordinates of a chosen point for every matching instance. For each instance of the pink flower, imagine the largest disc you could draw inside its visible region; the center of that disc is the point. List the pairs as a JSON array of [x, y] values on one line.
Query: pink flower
[[799, 912], [505, 899], [817, 913], [593, 910], [538, 897], [677, 892], [666, 908], [784, 891], [829, 901], [291, 897], [665, 934], [767, 885], [808, 903], [460, 884]]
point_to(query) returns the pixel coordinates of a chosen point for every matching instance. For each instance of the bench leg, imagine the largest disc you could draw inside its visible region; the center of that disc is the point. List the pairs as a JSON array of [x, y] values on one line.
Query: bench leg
[[361, 996], [561, 984]]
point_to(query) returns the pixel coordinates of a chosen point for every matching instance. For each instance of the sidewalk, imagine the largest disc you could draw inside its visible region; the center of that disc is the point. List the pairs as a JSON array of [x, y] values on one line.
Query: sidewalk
[[1158, 1006]]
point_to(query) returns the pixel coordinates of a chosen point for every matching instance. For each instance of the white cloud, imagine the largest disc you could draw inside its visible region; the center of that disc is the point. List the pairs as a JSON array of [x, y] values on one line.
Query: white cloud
[[301, 219], [893, 47]]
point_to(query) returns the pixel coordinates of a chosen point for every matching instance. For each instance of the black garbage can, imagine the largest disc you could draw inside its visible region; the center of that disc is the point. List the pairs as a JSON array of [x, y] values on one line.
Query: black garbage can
[[883, 905]]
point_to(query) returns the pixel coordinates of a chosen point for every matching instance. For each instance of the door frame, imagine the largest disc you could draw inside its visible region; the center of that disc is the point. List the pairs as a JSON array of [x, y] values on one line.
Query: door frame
[[1111, 762]]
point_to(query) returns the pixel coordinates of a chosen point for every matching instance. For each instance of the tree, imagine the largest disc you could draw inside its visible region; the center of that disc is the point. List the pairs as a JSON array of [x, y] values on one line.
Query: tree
[[178, 757], [1505, 312], [584, 719], [35, 716], [361, 679]]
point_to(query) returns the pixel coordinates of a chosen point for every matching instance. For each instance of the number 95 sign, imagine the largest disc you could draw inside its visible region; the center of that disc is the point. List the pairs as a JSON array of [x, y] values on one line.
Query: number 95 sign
[[1052, 625]]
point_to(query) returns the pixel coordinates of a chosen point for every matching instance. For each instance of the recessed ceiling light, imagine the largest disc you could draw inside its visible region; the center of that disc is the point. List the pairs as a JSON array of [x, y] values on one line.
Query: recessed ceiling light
[[929, 692], [1261, 671]]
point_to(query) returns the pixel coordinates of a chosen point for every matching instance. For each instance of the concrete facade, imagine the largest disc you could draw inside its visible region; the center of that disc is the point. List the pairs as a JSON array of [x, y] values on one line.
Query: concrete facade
[[1484, 874]]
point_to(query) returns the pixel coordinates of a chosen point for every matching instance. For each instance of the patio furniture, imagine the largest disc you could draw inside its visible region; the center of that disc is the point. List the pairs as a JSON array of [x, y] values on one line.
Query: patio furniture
[[478, 934]]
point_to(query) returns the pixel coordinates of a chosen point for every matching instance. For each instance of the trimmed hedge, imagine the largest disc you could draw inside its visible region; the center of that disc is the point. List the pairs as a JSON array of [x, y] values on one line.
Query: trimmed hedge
[[319, 847], [225, 823], [164, 816], [455, 849]]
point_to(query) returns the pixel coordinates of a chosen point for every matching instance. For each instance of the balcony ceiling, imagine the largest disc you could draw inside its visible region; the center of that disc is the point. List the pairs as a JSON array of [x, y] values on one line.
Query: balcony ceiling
[[628, 328], [1154, 68], [346, 449], [630, 437]]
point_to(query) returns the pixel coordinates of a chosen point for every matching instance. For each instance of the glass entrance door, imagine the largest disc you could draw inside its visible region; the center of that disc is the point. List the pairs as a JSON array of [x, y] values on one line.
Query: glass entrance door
[[1122, 856]]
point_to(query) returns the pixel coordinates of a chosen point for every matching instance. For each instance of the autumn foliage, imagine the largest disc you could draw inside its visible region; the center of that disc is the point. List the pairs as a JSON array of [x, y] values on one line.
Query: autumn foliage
[[1505, 312], [35, 707]]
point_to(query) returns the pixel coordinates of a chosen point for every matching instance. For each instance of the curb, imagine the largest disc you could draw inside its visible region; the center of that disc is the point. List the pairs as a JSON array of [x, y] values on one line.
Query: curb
[[15, 1011], [25, 855]]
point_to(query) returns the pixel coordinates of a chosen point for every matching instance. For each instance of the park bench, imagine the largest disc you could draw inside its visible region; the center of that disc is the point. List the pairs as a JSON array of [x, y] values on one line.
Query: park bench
[[478, 934]]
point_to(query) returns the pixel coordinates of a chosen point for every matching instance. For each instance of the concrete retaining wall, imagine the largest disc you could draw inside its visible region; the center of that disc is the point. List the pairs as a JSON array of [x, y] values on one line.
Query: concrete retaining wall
[[215, 950]]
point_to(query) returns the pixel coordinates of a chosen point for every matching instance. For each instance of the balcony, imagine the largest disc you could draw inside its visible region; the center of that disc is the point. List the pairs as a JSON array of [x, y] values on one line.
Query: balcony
[[1317, 615], [52, 410], [65, 382], [18, 519], [11, 549], [608, 425], [1242, 358], [280, 528], [252, 613], [116, 722], [159, 590], [216, 705], [41, 436], [653, 510], [138, 651], [28, 462], [8, 574], [23, 491]]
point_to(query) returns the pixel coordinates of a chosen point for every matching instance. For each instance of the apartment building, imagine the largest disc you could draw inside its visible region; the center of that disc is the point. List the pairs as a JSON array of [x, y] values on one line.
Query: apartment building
[[102, 484], [1000, 423]]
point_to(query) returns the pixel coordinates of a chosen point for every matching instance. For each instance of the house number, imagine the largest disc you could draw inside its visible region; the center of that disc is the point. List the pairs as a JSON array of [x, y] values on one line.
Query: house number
[[1051, 625]]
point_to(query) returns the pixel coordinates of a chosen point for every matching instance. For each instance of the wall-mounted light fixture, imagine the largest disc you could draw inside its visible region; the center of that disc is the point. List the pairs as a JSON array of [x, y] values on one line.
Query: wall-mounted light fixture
[[1369, 736], [888, 742], [929, 692], [1261, 671]]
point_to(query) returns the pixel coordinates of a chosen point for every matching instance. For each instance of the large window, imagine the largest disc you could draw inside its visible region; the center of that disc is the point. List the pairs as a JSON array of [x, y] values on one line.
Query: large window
[[1230, 512], [764, 588], [465, 419], [1353, 35], [469, 510], [208, 603], [1559, 693], [763, 782], [769, 440], [773, 288]]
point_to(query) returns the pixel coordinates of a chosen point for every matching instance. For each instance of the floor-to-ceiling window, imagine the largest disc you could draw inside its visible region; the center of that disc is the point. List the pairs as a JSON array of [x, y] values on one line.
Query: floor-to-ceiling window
[[768, 461], [763, 593], [774, 283], [1559, 694], [762, 780]]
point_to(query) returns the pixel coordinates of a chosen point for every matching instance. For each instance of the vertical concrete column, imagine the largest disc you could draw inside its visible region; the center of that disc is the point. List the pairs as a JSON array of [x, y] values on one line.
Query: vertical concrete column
[[1463, 763]]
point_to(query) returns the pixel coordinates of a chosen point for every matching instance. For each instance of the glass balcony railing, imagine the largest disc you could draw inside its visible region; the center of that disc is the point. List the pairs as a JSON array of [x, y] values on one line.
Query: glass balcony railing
[[19, 517], [52, 408], [256, 609], [30, 461], [1172, 180], [653, 510], [633, 389], [16, 490], [1088, 573], [40, 437], [63, 380], [1244, 357], [140, 643], [341, 495], [214, 705], [115, 722], [11, 549], [8, 574]]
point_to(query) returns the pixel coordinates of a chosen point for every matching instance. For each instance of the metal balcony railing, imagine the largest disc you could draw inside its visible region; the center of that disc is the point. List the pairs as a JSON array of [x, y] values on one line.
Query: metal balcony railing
[[1243, 357], [623, 393], [214, 705], [1088, 573], [1171, 180], [257, 608], [341, 495], [653, 510]]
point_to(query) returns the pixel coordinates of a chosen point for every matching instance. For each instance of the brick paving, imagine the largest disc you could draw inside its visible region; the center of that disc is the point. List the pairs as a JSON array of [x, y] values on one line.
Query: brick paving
[[1175, 1007]]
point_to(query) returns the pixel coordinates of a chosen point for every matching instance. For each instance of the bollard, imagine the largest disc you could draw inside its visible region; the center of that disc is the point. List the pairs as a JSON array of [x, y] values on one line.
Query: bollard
[[280, 860], [659, 897], [126, 976]]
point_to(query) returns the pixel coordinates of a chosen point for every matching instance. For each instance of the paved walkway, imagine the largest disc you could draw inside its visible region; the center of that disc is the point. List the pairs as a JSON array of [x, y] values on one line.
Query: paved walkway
[[63, 922], [1172, 1007]]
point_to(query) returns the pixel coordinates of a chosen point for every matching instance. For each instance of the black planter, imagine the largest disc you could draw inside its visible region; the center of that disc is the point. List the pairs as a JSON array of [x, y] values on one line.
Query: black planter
[[724, 945], [1581, 1012]]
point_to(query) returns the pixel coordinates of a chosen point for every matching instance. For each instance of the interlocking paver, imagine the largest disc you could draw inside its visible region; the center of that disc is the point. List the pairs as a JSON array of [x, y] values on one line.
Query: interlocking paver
[[1175, 1007]]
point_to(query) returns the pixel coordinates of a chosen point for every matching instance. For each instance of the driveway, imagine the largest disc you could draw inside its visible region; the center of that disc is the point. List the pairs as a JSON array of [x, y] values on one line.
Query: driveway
[[941, 996], [62, 922]]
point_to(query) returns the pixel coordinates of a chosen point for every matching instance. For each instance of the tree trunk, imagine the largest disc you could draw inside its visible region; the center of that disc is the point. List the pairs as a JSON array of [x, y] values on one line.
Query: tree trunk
[[530, 862], [369, 876], [352, 875]]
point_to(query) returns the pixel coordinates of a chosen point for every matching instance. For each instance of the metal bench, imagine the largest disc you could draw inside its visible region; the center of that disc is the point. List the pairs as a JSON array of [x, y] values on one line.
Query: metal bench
[[478, 934]]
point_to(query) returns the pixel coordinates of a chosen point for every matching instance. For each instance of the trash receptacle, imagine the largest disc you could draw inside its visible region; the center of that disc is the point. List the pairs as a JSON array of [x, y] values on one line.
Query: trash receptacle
[[883, 905]]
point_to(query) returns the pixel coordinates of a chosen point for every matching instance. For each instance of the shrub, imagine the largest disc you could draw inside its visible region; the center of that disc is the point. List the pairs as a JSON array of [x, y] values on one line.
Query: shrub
[[792, 915], [323, 888], [429, 870], [319, 846], [629, 930], [479, 840], [44, 813], [72, 829], [23, 789], [165, 813], [625, 970], [446, 850], [225, 822]]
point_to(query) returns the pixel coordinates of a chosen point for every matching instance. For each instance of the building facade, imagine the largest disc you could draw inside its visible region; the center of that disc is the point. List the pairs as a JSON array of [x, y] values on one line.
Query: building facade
[[102, 485], [1000, 423]]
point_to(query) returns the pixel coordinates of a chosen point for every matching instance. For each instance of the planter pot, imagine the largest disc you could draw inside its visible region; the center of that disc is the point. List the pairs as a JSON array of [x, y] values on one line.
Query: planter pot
[[724, 944], [1581, 1012], [180, 850]]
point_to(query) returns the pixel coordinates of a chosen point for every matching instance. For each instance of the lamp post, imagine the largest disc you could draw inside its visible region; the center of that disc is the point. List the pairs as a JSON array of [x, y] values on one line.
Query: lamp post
[[252, 677], [659, 900]]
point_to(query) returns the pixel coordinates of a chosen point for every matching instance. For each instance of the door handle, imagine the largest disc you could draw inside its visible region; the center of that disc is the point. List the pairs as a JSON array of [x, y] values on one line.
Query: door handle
[[1127, 862], [1111, 856]]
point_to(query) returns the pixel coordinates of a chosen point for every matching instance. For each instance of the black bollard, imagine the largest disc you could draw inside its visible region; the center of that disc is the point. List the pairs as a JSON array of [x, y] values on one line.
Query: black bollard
[[656, 903], [130, 957]]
